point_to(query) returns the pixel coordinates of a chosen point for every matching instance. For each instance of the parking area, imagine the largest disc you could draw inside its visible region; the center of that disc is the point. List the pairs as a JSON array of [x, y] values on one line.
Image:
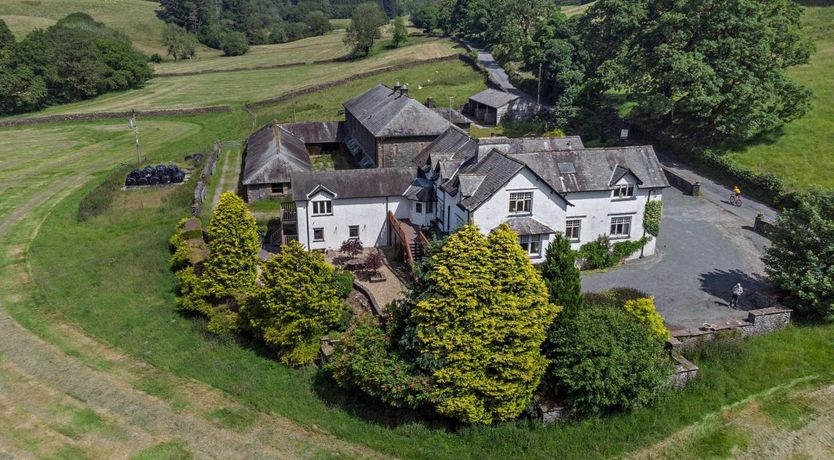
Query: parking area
[[705, 247]]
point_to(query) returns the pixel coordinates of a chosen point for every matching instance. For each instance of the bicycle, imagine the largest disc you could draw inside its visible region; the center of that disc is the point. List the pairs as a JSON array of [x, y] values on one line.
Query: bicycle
[[735, 200]]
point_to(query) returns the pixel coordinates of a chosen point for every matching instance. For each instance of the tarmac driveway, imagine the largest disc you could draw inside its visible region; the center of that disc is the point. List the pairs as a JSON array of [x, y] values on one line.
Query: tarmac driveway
[[704, 248]]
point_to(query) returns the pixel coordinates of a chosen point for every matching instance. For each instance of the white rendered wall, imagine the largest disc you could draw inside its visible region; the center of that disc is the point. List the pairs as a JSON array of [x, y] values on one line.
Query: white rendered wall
[[370, 214]]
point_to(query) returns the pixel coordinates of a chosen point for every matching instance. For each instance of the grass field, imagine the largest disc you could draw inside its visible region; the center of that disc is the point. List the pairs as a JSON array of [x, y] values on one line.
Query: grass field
[[136, 18], [573, 10], [804, 152], [244, 86], [440, 81]]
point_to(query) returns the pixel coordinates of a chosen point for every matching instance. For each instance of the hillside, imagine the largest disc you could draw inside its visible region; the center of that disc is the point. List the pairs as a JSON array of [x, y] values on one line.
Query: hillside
[[136, 18], [804, 152]]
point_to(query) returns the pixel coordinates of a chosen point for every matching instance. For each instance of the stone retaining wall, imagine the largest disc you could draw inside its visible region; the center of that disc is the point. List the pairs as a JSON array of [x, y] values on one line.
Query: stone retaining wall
[[762, 224], [759, 322], [683, 183], [93, 116]]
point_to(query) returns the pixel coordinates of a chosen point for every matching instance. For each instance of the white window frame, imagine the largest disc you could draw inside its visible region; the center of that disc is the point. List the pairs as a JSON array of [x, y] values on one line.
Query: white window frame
[[621, 226], [518, 200], [419, 207], [532, 244], [577, 226], [314, 234], [322, 208], [623, 192], [351, 228]]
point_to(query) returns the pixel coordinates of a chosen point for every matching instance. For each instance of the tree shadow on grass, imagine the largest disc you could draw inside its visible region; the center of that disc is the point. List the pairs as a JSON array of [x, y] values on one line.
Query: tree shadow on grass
[[758, 293]]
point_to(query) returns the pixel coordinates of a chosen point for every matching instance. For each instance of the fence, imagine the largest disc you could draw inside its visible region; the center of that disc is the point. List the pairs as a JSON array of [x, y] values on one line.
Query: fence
[[201, 189]]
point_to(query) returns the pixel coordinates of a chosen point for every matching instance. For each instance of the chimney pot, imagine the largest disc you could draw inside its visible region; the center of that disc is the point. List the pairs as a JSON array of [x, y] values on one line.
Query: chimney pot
[[430, 102], [404, 90]]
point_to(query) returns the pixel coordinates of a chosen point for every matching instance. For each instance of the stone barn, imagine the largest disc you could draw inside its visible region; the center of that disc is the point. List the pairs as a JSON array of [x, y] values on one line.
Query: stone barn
[[272, 154], [384, 127], [491, 105], [320, 136]]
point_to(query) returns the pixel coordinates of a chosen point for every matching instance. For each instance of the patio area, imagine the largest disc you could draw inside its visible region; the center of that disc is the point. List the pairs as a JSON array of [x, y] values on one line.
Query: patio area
[[386, 288]]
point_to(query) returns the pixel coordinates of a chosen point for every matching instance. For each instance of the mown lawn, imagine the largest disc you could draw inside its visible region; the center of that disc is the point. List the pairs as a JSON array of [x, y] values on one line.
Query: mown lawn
[[440, 81], [244, 86], [803, 153], [136, 18]]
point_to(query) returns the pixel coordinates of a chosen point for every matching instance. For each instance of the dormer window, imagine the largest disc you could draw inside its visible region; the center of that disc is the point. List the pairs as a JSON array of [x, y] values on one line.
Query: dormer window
[[623, 191], [322, 208], [521, 202]]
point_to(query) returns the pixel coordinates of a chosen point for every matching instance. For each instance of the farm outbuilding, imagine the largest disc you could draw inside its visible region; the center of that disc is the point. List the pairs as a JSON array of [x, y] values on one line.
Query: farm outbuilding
[[272, 154], [490, 106]]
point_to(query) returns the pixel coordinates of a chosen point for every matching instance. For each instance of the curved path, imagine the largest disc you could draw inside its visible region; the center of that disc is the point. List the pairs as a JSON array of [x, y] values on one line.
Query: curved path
[[73, 395]]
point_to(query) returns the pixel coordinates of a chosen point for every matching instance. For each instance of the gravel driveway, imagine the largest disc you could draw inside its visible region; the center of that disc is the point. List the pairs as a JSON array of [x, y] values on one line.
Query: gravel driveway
[[704, 248]]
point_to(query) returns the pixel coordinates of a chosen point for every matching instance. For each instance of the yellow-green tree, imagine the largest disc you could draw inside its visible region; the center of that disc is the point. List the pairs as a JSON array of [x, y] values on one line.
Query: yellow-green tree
[[296, 305], [232, 264], [644, 310], [479, 323]]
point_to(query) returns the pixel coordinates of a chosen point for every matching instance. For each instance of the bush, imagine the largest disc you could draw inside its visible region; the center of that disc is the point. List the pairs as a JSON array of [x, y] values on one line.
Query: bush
[[155, 58], [602, 254], [234, 44], [622, 295], [100, 199], [561, 275], [652, 216], [365, 360], [604, 360], [645, 311], [600, 300], [343, 283]]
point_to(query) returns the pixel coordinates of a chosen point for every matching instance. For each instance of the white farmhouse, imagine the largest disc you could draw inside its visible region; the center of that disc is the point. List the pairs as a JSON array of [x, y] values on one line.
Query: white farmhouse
[[538, 186]]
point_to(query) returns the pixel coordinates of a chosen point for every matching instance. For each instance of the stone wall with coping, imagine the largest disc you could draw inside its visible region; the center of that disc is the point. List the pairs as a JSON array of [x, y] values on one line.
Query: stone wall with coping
[[759, 322], [683, 183]]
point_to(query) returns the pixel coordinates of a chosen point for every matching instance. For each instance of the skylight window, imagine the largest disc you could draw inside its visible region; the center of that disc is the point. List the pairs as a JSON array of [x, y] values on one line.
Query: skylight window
[[567, 168]]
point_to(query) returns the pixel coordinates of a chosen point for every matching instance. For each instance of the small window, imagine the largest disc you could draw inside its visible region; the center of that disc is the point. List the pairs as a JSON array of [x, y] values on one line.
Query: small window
[[532, 244], [621, 226], [353, 231], [318, 234], [623, 191], [572, 229], [521, 202], [322, 208], [276, 189], [419, 208]]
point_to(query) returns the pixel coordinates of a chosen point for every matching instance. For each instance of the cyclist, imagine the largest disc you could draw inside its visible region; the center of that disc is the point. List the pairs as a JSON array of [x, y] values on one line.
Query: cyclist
[[736, 196]]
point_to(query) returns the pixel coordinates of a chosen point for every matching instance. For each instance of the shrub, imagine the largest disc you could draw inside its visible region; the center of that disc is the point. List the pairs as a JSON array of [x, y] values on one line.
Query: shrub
[[622, 295], [155, 58], [799, 259], [645, 311], [179, 249], [365, 360], [600, 300], [100, 200], [296, 305], [602, 254], [343, 283], [605, 360], [234, 44], [561, 275], [351, 247]]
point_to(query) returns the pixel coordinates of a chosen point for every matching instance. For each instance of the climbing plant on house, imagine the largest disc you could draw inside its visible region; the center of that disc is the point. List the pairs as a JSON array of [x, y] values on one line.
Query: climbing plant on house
[[651, 217]]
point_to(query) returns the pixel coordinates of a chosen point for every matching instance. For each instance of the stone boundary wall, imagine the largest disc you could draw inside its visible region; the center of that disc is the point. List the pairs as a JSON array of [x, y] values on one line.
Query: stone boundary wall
[[93, 116], [763, 224], [377, 311], [359, 76], [759, 322], [683, 183], [202, 183], [245, 69]]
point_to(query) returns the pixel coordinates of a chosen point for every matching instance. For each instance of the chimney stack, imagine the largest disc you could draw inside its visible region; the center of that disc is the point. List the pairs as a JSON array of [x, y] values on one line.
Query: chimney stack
[[397, 87], [404, 90], [430, 102]]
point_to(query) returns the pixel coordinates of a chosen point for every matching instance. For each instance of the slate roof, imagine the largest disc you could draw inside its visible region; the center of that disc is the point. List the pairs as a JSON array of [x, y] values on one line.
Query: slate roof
[[456, 117], [528, 226], [354, 183], [272, 154], [530, 144], [387, 113], [481, 179], [320, 132], [421, 189], [454, 143], [596, 168], [494, 98]]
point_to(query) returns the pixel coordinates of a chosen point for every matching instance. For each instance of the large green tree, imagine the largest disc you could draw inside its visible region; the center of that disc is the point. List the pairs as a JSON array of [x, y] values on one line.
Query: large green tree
[[711, 70], [296, 305], [6, 36], [478, 319], [364, 28], [232, 265], [561, 274], [178, 43], [800, 259]]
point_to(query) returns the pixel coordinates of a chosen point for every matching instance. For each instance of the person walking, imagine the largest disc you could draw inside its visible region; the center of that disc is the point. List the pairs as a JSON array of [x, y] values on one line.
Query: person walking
[[737, 292]]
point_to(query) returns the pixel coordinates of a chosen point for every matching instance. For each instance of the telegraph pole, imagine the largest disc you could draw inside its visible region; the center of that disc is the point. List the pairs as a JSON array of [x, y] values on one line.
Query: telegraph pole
[[451, 98], [539, 91], [135, 126]]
